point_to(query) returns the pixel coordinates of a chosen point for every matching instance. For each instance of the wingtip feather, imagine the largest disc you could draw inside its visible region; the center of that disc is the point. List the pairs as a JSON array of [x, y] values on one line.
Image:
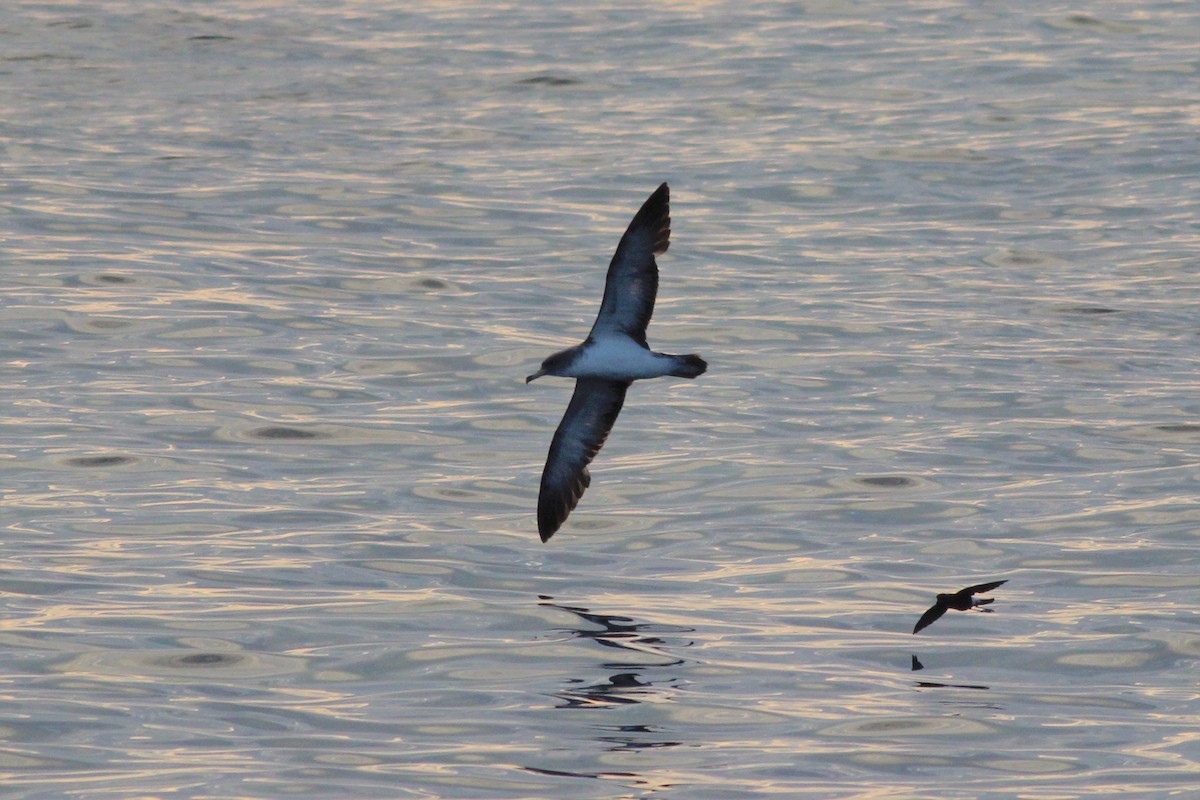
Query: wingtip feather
[[656, 210]]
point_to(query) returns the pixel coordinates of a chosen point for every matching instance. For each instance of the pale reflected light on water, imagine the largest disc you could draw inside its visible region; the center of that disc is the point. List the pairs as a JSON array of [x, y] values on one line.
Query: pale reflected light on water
[[273, 278]]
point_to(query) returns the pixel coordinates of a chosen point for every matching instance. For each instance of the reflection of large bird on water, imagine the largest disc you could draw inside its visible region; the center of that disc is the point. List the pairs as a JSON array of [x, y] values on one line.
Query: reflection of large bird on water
[[631, 682], [622, 633], [613, 356]]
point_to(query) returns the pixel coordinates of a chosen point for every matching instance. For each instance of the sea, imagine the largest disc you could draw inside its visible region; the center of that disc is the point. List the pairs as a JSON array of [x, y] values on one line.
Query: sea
[[272, 275]]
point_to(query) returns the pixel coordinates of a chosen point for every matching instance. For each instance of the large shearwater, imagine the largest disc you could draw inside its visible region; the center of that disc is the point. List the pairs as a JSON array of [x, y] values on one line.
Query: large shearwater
[[614, 355], [962, 600]]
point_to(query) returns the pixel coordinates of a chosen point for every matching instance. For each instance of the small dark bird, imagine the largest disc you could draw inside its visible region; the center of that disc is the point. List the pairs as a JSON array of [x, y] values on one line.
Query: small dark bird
[[613, 356], [962, 600]]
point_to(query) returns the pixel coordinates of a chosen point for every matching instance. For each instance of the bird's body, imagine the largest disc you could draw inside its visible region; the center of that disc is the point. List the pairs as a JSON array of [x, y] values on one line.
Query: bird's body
[[618, 358], [962, 600], [614, 355]]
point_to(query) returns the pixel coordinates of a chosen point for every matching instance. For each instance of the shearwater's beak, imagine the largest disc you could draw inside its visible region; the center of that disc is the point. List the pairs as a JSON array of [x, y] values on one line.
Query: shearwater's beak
[[535, 375]]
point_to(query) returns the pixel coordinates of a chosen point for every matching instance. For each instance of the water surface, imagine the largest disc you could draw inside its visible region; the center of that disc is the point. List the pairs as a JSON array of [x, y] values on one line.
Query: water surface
[[273, 275]]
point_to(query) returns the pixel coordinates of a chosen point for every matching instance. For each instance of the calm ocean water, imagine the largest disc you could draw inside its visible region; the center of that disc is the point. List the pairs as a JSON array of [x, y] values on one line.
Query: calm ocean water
[[273, 274]]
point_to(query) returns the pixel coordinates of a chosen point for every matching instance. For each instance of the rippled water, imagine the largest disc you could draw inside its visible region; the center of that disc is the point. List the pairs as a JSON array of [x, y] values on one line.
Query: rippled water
[[273, 275]]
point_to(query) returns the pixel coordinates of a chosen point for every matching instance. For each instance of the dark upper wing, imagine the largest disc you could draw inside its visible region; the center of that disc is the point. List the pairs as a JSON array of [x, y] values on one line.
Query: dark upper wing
[[984, 587], [580, 435], [929, 617], [632, 279]]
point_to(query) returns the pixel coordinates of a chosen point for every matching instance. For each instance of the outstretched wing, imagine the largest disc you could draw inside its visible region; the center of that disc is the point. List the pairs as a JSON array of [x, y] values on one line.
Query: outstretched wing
[[590, 416], [984, 587], [632, 282], [929, 617]]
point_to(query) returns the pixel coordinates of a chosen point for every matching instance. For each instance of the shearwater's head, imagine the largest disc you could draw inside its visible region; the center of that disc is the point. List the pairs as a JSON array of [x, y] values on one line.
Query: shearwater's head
[[556, 364]]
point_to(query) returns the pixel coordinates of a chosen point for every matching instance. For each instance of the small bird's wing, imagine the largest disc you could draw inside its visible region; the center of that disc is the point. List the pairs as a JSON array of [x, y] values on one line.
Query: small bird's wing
[[590, 416], [929, 617], [984, 587], [632, 281]]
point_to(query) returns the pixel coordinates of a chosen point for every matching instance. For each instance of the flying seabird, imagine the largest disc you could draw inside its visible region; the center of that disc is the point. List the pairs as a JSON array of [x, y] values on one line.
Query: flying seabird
[[614, 355], [962, 600]]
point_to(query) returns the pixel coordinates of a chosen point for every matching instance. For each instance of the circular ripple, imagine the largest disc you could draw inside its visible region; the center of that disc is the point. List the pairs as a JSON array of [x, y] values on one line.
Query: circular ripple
[[888, 481], [879, 483], [903, 727], [1089, 310], [548, 80], [325, 434], [201, 660], [1170, 432], [283, 432], [188, 665], [100, 461]]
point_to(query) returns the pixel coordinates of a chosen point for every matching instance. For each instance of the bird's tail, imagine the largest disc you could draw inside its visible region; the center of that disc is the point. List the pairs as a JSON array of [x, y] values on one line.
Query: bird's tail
[[689, 366], [982, 601]]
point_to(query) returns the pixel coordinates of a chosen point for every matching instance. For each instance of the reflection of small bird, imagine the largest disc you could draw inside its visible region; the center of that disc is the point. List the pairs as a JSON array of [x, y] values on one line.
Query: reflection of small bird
[[962, 600]]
